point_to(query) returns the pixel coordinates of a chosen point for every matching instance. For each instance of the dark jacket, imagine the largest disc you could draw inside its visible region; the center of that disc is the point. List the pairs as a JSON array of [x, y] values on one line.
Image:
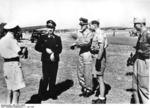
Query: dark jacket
[[54, 43], [143, 44]]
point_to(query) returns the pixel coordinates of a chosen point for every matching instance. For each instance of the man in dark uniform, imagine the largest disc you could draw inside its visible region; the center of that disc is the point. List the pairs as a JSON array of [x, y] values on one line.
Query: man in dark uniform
[[50, 46]]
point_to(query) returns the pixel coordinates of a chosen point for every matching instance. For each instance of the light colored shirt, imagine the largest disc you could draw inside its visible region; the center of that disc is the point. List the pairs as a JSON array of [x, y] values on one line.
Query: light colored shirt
[[9, 47], [84, 38], [99, 38]]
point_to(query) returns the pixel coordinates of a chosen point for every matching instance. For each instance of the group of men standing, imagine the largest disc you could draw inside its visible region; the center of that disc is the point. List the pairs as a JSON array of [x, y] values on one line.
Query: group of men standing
[[92, 42], [92, 58]]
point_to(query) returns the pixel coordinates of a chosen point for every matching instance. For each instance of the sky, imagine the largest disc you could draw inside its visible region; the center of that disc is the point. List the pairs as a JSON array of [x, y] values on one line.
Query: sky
[[66, 13]]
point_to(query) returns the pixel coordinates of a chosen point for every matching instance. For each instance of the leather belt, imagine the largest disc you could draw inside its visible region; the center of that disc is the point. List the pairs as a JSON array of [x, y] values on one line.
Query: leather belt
[[11, 59]]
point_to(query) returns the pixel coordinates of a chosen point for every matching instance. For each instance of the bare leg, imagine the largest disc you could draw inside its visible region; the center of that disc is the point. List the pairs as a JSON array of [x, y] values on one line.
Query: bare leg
[[101, 87], [16, 95], [9, 97], [101, 99]]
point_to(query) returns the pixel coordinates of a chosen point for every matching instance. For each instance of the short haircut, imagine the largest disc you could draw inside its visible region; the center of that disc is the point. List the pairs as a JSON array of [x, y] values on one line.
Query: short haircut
[[95, 22]]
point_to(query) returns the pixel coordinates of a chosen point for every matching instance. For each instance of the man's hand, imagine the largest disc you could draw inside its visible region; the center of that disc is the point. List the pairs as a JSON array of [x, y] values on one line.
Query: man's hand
[[72, 46], [131, 60], [52, 57], [140, 51], [23, 52], [49, 51]]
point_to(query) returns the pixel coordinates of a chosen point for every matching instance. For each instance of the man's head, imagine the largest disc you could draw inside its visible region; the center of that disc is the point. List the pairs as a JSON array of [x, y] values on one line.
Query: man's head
[[94, 25], [13, 28], [139, 24], [83, 23], [51, 25]]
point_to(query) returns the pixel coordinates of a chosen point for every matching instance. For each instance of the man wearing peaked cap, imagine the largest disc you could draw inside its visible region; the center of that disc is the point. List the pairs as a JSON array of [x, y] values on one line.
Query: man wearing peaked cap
[[141, 65], [139, 20], [84, 70], [50, 46], [14, 27], [11, 25], [83, 21], [50, 24]]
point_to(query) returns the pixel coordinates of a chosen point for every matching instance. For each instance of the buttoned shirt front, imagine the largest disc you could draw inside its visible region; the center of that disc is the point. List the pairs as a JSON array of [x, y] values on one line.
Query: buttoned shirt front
[[84, 40], [84, 37], [99, 38]]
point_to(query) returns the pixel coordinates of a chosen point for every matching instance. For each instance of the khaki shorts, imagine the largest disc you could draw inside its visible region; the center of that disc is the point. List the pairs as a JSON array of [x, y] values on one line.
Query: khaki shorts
[[102, 65], [13, 75]]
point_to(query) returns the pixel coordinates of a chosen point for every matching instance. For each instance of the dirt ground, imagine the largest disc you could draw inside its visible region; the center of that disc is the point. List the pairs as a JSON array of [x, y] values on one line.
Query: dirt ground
[[116, 78]]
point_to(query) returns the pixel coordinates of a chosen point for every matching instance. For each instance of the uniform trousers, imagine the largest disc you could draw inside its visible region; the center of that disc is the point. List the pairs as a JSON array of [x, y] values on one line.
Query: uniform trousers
[[49, 71], [141, 80], [84, 71]]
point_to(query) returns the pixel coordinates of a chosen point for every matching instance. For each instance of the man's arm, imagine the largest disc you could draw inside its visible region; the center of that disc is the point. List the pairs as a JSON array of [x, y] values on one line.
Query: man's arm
[[84, 41], [99, 57], [80, 42], [58, 49], [39, 45], [101, 50]]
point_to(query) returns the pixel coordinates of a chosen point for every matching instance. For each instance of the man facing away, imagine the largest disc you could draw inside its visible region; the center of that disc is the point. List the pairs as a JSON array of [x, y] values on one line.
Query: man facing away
[[11, 51]]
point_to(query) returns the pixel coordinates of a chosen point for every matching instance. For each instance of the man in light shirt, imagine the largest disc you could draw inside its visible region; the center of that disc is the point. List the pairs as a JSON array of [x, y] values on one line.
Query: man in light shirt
[[98, 50], [84, 70], [10, 51]]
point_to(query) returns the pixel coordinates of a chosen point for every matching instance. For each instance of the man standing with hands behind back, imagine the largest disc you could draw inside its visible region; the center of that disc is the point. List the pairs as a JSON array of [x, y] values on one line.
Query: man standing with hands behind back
[[50, 46]]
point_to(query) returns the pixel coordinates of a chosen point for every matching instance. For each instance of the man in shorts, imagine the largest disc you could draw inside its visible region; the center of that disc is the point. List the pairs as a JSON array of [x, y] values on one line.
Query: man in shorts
[[10, 51], [98, 50]]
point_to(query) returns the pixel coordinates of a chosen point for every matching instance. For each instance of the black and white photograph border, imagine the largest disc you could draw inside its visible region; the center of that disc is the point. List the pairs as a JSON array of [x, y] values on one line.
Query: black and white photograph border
[[116, 19]]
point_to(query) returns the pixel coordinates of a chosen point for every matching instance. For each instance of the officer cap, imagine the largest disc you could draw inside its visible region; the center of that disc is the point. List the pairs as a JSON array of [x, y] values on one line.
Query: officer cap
[[51, 24], [84, 20], [11, 25], [139, 20]]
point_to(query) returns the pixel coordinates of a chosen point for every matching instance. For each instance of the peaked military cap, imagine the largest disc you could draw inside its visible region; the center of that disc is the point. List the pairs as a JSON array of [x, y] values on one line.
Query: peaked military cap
[[51, 24], [84, 20], [139, 20]]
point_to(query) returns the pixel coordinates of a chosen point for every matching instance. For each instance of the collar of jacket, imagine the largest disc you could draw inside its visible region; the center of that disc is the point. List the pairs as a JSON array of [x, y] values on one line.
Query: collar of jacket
[[51, 36]]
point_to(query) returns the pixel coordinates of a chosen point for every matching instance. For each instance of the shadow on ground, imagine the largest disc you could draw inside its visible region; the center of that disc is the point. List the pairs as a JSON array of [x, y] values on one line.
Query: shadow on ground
[[60, 88], [130, 90], [129, 74]]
